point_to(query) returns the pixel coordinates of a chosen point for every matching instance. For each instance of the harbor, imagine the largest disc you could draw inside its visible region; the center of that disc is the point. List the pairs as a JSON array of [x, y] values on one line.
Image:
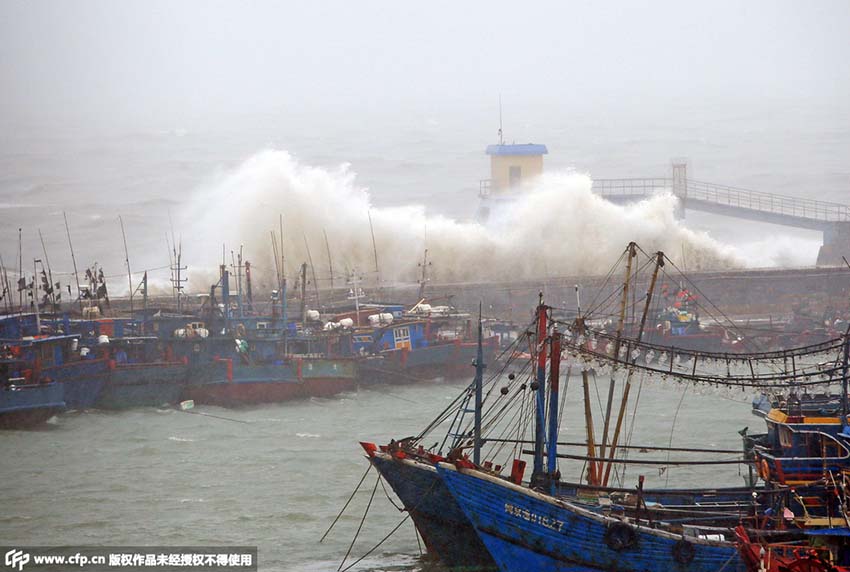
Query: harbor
[[400, 287]]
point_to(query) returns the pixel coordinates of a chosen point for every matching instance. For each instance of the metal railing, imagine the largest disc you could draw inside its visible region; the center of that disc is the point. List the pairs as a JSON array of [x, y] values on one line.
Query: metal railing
[[484, 187], [727, 196], [631, 187], [768, 202]]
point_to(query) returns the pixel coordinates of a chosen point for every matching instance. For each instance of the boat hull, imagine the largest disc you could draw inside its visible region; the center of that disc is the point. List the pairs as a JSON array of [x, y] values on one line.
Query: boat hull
[[448, 360], [27, 406], [143, 385], [445, 529], [83, 381], [524, 530], [226, 385]]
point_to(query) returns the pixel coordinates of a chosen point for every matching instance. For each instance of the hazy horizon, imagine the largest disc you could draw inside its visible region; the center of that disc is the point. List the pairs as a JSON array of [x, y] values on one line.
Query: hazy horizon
[[142, 109]]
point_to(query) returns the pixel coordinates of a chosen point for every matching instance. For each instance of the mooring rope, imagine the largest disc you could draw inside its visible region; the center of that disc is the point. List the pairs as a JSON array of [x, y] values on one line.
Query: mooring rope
[[345, 506], [360, 526]]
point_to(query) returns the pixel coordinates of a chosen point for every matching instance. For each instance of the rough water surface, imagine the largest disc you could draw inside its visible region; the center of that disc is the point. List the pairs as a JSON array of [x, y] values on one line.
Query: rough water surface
[[165, 477]]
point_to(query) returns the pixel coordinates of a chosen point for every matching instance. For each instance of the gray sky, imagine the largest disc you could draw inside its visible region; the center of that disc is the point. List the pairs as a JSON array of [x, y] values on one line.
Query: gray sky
[[115, 61]]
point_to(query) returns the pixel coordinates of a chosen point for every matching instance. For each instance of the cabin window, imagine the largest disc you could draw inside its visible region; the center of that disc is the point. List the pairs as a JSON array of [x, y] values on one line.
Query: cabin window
[[785, 438], [401, 337]]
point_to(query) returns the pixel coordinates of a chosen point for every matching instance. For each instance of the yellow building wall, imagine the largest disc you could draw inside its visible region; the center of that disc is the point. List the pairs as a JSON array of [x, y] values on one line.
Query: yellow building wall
[[531, 166]]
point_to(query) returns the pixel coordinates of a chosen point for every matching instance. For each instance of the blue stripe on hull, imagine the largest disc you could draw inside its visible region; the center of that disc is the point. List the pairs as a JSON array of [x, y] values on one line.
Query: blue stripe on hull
[[447, 532], [524, 531]]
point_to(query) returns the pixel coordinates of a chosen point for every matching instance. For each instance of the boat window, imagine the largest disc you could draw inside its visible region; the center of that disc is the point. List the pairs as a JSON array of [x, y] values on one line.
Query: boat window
[[401, 337], [785, 438]]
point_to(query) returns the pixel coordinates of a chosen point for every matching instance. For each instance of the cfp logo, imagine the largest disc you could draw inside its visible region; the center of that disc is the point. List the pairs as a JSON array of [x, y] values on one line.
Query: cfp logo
[[17, 559]]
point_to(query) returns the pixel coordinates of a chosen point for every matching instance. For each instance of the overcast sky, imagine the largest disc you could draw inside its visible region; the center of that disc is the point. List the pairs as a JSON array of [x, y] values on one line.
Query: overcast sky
[[167, 59]]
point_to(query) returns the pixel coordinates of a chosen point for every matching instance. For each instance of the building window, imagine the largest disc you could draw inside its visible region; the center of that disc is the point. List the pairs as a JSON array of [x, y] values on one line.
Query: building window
[[515, 175]]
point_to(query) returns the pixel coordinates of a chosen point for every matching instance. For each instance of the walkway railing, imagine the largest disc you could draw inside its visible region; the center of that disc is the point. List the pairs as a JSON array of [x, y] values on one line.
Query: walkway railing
[[727, 196]]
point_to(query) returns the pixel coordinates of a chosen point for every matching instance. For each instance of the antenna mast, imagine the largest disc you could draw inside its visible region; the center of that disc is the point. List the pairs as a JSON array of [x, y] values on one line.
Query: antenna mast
[[501, 138]]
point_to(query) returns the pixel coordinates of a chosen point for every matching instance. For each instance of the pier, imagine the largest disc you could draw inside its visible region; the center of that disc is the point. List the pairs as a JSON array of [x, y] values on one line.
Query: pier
[[832, 219]]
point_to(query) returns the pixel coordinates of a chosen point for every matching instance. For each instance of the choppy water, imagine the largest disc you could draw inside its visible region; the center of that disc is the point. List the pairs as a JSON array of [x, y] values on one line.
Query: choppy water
[[164, 477]]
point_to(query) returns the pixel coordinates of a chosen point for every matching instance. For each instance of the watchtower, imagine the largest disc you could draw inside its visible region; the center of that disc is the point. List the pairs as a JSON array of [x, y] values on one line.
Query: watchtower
[[511, 165]]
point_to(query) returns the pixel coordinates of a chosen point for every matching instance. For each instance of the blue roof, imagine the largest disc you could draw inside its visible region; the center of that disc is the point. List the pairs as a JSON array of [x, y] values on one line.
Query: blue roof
[[522, 149]]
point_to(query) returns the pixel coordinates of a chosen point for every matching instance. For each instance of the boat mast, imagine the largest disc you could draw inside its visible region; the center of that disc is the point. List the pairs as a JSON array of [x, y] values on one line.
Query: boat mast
[[631, 253], [374, 251], [330, 260], [313, 272], [844, 371], [49, 272], [479, 383], [423, 279], [35, 296], [127, 260], [21, 271], [539, 387], [303, 292], [554, 383], [283, 288], [5, 284], [248, 292], [659, 263], [74, 260], [225, 296]]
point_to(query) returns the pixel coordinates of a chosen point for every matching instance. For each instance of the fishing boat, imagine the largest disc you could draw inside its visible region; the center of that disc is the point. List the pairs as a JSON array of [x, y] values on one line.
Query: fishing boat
[[527, 530], [141, 375], [238, 359], [24, 400], [815, 550], [56, 357], [61, 359], [446, 531], [423, 343], [545, 523]]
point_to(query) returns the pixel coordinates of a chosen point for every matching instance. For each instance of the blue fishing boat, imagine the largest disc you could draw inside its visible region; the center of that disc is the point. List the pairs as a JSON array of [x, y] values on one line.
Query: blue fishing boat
[[424, 343], [24, 401], [527, 530], [59, 358], [445, 529], [140, 374]]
